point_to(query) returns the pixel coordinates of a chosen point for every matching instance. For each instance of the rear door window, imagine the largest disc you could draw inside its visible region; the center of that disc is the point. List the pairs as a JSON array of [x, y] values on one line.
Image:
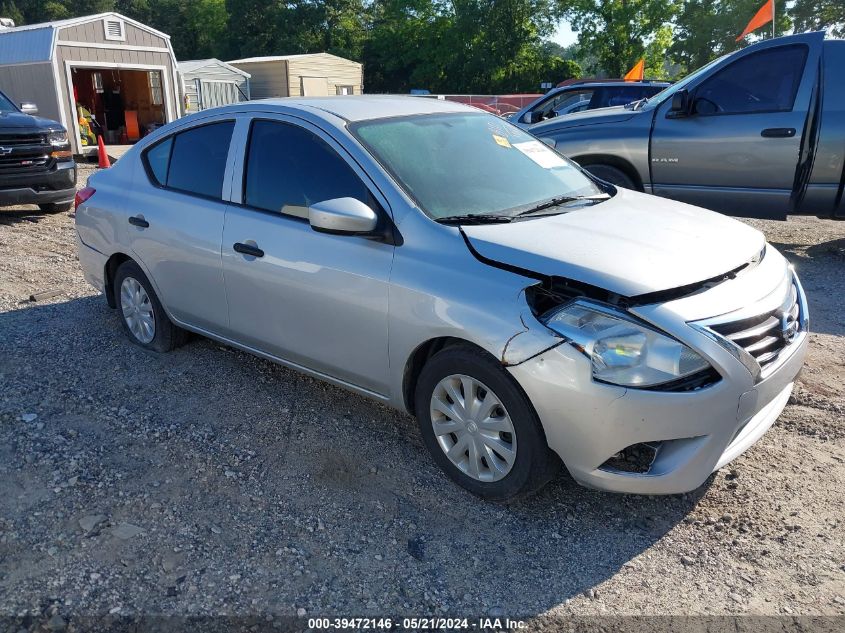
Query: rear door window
[[289, 168], [193, 161]]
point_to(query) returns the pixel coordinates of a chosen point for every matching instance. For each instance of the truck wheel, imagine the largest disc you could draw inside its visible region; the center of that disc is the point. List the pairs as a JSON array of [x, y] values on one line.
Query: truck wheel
[[56, 207], [613, 175]]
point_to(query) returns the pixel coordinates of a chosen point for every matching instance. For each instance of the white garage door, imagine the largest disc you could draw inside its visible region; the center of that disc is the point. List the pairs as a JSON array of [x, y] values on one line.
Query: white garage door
[[315, 87], [218, 93]]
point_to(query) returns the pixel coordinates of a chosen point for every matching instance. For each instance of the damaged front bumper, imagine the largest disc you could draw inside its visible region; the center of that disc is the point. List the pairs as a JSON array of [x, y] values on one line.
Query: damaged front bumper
[[657, 442], [588, 423]]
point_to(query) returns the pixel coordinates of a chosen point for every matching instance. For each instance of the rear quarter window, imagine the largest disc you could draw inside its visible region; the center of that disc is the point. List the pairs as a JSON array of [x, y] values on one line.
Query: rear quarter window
[[193, 161], [158, 160]]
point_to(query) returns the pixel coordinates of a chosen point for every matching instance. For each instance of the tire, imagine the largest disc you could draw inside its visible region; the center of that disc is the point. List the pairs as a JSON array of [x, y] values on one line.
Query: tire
[[533, 464], [139, 294], [613, 175], [56, 207]]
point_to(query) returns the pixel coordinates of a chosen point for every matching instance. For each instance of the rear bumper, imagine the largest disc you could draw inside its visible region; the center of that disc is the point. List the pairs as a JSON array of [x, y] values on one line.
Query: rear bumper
[[58, 185], [93, 264]]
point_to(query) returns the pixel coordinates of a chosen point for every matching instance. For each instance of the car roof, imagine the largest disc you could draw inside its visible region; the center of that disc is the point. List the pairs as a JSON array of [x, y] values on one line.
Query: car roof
[[365, 107], [614, 84]]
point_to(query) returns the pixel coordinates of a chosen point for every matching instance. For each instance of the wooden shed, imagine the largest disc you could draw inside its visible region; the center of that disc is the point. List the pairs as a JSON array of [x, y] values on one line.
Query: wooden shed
[[209, 83], [310, 75], [102, 73]]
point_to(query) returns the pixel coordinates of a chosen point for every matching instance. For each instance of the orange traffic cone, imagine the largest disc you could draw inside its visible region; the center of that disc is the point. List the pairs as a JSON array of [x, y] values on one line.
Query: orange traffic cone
[[101, 153]]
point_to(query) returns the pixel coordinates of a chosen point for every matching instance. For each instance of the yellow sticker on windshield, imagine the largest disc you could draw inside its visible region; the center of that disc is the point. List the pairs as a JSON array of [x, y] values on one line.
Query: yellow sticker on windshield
[[501, 140]]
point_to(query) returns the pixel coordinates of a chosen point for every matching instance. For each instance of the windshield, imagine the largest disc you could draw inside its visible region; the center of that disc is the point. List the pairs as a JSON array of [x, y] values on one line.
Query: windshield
[[470, 164], [6, 105], [660, 97]]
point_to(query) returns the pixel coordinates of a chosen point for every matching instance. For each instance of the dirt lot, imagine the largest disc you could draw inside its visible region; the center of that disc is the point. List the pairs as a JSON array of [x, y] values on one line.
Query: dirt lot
[[207, 481]]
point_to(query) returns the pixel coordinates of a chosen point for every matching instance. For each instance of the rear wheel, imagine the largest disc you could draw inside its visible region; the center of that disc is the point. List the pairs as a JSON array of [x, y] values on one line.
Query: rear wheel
[[613, 175], [56, 207], [480, 427], [144, 320]]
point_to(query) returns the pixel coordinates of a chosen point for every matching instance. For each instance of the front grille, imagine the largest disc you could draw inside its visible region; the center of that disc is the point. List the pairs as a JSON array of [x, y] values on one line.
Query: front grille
[[22, 153], [765, 336], [12, 140]]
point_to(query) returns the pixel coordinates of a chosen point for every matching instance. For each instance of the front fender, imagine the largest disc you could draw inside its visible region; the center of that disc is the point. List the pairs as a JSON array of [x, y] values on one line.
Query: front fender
[[451, 294]]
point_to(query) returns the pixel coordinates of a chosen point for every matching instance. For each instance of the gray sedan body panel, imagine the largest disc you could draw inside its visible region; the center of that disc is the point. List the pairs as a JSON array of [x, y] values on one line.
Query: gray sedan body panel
[[443, 291], [354, 310], [315, 300]]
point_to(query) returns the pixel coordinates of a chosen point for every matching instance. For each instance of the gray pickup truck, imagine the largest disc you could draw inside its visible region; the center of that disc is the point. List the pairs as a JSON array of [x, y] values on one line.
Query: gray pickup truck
[[757, 133]]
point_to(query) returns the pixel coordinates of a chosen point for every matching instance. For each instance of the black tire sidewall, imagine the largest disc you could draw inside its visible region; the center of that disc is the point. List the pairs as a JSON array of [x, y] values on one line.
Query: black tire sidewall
[[612, 175], [163, 339], [535, 463]]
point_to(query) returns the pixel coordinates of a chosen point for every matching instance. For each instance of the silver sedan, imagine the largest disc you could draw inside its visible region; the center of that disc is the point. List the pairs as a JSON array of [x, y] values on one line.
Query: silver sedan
[[447, 263]]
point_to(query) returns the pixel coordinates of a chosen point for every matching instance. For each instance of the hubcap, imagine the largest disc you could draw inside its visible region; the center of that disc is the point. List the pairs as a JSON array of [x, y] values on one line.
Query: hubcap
[[473, 428], [137, 310]]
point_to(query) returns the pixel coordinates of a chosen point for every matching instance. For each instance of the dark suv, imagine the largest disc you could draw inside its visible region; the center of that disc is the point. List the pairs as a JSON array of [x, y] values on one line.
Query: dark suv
[[585, 95], [36, 162]]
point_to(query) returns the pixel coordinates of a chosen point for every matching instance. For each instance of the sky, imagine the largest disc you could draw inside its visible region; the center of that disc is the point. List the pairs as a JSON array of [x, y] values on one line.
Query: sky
[[564, 35]]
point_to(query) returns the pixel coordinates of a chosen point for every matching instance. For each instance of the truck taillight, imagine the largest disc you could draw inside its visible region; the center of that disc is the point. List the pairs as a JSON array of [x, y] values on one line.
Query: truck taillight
[[82, 195]]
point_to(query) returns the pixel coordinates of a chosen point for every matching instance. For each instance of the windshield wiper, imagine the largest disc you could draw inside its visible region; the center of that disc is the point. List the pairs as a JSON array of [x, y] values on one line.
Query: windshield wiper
[[556, 202], [475, 218], [639, 103]]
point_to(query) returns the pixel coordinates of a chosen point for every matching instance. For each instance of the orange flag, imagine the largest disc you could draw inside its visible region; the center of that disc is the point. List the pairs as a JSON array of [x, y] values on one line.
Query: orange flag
[[765, 14], [636, 73]]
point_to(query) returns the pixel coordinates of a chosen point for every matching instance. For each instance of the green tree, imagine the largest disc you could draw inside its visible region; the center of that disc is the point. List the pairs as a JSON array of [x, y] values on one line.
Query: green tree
[[616, 32], [819, 15], [252, 27], [477, 46], [9, 9], [707, 29], [657, 63]]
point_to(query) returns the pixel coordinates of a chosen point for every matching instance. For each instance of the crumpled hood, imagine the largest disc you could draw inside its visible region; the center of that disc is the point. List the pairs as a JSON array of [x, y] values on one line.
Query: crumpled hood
[[615, 114], [631, 245]]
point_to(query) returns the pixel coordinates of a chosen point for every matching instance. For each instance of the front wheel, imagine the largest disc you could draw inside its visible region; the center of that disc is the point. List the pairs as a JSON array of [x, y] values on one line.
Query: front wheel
[[480, 427]]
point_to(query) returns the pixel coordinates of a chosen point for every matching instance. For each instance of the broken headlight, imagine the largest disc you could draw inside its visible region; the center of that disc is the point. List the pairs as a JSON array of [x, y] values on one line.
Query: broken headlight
[[623, 351]]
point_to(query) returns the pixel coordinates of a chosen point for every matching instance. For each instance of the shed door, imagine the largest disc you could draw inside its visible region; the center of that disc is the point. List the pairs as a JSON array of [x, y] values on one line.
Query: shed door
[[315, 87], [218, 93]]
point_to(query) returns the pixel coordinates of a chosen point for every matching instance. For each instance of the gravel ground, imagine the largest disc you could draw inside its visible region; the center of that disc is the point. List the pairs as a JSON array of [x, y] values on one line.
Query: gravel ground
[[207, 481]]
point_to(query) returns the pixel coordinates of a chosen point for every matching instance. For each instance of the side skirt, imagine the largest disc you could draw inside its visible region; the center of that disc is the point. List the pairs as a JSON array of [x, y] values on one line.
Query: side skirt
[[285, 363]]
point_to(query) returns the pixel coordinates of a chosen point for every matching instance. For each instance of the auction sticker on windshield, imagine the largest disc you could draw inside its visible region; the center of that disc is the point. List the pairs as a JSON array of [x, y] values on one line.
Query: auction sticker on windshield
[[540, 154], [501, 140]]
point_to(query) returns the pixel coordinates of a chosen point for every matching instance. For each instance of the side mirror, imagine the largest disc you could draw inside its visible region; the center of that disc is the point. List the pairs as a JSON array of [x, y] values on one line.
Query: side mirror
[[680, 105], [535, 116], [342, 216], [28, 107]]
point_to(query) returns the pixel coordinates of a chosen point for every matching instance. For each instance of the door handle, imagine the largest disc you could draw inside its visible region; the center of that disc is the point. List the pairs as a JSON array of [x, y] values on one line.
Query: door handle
[[248, 249], [138, 221], [778, 132]]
